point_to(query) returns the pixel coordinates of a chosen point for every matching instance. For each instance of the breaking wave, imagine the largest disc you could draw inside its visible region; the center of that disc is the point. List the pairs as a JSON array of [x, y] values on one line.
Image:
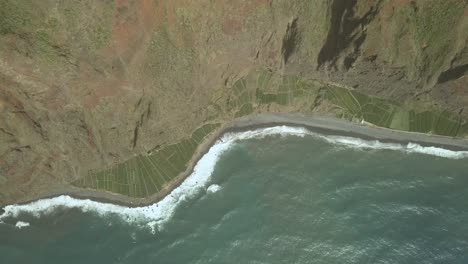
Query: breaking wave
[[21, 224], [155, 215], [213, 188]]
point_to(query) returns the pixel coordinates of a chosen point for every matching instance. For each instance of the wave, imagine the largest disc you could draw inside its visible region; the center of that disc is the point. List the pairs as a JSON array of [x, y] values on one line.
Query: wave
[[213, 188], [21, 224], [408, 148], [353, 142], [155, 215]]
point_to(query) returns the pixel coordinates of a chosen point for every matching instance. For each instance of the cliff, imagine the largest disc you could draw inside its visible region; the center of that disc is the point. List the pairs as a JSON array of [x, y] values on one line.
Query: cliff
[[106, 94]]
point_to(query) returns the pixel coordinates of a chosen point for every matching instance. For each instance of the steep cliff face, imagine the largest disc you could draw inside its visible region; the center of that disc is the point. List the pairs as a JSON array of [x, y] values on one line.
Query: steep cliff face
[[85, 85]]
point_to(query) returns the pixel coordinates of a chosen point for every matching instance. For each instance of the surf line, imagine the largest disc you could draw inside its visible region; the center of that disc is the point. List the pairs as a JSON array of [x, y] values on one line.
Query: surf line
[[156, 215]]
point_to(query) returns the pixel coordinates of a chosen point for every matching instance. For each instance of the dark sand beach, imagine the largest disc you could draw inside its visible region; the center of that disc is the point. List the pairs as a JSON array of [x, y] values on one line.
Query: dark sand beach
[[317, 124]]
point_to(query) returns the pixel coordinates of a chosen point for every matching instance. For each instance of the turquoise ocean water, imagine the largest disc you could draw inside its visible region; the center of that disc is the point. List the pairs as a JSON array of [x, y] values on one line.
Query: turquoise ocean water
[[277, 200]]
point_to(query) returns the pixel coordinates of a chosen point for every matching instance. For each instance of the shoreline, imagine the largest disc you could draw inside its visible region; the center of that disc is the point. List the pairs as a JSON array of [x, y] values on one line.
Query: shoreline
[[328, 126]]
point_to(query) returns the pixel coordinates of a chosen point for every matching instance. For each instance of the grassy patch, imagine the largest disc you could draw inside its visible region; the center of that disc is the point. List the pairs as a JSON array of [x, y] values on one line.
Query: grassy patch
[[400, 120], [385, 113], [15, 16], [265, 98], [145, 175], [434, 25], [421, 122], [166, 58], [55, 33], [246, 109], [345, 100], [446, 124], [463, 131]]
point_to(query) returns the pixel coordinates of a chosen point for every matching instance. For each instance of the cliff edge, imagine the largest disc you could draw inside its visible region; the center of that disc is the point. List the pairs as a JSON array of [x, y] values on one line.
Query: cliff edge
[[106, 94]]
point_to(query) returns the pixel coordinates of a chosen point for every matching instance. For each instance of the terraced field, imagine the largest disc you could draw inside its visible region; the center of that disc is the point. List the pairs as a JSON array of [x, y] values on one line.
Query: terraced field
[[263, 88], [353, 105], [145, 175]]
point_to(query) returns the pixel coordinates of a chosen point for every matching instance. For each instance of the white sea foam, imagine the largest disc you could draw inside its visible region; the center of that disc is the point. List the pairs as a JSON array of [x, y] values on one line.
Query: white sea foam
[[409, 148], [155, 215], [21, 224], [213, 188]]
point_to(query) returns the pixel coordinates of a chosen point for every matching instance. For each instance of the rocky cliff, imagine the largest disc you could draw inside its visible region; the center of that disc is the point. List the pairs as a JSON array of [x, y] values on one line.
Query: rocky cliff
[[97, 94]]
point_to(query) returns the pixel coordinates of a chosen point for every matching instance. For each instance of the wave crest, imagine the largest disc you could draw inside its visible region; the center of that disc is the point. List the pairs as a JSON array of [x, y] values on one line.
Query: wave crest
[[155, 215]]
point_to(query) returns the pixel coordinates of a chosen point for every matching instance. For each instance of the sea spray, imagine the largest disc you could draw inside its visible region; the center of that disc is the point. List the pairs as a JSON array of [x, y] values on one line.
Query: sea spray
[[155, 215]]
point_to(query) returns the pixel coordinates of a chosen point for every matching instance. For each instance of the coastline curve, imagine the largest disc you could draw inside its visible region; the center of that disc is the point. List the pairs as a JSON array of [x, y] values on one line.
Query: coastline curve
[[155, 214]]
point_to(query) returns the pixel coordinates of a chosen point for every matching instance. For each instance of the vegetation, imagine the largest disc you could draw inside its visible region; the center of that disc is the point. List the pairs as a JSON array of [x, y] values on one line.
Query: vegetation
[[262, 88], [384, 113], [145, 175], [50, 32], [434, 25], [14, 17]]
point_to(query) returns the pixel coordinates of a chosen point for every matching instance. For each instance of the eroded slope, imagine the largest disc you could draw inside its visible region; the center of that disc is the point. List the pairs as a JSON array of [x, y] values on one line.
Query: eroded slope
[[88, 88]]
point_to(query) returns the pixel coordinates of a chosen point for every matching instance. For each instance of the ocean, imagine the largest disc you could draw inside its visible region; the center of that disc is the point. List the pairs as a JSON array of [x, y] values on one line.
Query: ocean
[[278, 195]]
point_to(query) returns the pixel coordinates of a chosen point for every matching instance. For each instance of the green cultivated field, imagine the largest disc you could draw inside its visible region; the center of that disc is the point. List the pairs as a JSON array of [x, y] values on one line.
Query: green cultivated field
[[262, 88], [145, 175], [385, 113]]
